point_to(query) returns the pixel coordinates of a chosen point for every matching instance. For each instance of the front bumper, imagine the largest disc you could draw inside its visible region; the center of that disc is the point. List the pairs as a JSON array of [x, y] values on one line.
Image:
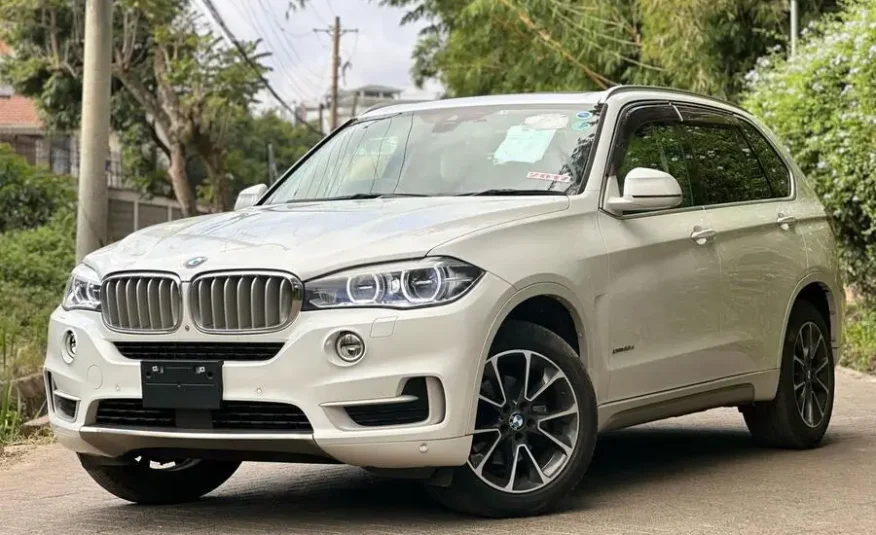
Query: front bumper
[[445, 344]]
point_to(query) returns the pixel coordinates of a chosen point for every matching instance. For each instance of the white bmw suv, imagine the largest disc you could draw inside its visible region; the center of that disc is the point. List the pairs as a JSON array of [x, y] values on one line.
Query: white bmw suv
[[467, 291]]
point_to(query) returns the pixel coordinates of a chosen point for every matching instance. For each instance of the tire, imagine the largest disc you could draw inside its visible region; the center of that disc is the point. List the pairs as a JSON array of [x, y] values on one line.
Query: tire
[[780, 423], [137, 482], [481, 495]]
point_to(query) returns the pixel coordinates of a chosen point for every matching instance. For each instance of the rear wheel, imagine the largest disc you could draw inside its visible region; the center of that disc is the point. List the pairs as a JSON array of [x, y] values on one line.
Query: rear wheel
[[799, 415], [535, 428], [159, 481]]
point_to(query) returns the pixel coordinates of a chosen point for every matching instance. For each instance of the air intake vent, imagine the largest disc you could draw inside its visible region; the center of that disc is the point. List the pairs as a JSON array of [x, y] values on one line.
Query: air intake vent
[[234, 415], [198, 351], [142, 303], [130, 413], [404, 413], [245, 302]]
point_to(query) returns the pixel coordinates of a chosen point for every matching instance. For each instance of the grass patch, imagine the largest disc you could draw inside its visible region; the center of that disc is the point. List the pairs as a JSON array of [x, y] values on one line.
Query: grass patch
[[10, 417], [859, 350]]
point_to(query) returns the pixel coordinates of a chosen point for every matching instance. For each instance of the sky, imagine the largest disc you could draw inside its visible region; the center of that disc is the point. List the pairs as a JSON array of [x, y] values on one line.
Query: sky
[[379, 53]]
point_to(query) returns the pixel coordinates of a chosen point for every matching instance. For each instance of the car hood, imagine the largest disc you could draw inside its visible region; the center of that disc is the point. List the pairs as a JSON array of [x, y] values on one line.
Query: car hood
[[314, 238]]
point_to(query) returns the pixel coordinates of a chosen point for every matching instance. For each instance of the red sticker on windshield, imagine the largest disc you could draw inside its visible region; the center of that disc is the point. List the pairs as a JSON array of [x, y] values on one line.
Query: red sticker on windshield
[[549, 176]]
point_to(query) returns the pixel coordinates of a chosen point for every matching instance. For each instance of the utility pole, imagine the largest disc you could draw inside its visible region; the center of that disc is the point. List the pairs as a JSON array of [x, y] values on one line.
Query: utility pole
[[336, 33], [272, 164], [91, 214], [795, 26]]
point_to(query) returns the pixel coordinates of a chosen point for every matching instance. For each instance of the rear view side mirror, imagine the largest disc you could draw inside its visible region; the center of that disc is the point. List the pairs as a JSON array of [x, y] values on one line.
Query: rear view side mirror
[[250, 196], [647, 189]]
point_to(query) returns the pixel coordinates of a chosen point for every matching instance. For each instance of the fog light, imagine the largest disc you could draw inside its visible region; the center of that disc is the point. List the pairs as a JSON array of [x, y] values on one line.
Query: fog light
[[350, 347], [68, 347]]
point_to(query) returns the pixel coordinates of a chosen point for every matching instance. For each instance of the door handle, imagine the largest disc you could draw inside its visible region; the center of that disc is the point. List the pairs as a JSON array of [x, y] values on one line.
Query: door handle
[[786, 221], [702, 236]]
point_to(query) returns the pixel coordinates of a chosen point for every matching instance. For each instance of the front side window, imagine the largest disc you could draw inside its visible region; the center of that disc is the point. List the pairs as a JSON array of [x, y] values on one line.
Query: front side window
[[658, 146], [452, 151]]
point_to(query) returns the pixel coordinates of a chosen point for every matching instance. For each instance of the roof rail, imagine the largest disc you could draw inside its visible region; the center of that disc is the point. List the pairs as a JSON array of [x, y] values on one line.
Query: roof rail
[[622, 88], [392, 103]]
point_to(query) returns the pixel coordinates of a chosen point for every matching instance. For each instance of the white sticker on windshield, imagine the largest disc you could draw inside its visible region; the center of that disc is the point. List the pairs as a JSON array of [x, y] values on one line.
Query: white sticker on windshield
[[547, 121], [523, 144]]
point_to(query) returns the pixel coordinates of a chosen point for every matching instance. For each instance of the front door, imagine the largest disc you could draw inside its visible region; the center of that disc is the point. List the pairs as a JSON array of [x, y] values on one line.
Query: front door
[[664, 295]]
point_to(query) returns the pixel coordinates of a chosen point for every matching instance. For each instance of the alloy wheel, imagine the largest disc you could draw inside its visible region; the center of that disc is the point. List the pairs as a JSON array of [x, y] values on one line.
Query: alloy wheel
[[527, 422], [812, 388]]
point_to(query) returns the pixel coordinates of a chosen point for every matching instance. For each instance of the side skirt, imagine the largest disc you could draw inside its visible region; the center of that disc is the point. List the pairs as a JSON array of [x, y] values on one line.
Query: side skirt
[[727, 392]]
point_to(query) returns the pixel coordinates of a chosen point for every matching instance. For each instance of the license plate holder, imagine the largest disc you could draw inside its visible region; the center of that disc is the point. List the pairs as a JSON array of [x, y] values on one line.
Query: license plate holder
[[193, 385]]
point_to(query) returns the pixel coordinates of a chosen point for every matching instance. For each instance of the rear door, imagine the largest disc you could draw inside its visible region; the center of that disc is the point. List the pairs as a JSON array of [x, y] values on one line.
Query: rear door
[[748, 193]]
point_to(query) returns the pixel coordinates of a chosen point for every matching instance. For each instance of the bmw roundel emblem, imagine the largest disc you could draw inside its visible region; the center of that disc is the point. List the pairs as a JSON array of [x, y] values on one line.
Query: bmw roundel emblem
[[195, 262]]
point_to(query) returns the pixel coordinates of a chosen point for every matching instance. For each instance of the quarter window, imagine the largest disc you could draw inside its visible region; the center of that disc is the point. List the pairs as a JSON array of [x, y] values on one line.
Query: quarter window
[[771, 163]]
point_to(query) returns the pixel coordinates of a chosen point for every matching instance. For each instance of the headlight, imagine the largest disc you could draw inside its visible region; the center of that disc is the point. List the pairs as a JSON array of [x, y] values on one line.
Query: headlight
[[432, 281], [83, 289]]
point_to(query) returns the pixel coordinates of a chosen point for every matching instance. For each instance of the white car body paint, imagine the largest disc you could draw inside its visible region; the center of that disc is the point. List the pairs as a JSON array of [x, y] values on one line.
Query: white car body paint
[[660, 318]]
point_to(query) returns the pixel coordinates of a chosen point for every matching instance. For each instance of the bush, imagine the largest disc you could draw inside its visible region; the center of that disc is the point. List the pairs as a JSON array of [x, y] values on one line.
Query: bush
[[29, 196], [859, 350], [34, 268], [821, 103]]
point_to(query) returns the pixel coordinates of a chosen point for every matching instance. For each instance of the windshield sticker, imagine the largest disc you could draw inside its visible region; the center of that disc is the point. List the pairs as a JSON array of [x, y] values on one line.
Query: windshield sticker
[[551, 177], [524, 145], [580, 125], [584, 115], [548, 121]]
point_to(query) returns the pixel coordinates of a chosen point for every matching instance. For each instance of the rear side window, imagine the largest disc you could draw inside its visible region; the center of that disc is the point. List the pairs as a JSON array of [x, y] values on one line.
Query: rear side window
[[771, 163], [724, 163]]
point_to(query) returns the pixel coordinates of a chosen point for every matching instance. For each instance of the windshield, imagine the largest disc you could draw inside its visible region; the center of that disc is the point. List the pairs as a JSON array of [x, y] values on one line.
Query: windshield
[[456, 151]]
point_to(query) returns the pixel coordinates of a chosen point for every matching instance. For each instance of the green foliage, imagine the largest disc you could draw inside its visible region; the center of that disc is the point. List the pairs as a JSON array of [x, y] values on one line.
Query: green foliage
[[29, 195], [171, 75], [248, 160], [34, 268], [821, 103], [859, 351], [477, 47], [10, 416]]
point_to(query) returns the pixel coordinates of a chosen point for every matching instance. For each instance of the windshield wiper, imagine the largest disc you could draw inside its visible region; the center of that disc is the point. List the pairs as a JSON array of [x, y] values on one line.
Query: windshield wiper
[[508, 191], [359, 196]]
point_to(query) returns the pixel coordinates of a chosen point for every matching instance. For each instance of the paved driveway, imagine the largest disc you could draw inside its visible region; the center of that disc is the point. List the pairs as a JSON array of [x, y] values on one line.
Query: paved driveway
[[697, 474]]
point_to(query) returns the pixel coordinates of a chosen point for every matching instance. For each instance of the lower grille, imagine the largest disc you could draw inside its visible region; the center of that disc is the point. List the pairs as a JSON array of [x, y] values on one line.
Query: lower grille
[[198, 351], [404, 413], [234, 415], [130, 413]]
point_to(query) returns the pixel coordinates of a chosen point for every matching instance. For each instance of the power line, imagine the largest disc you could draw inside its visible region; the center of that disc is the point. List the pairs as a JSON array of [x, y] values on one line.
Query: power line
[[288, 41], [286, 73], [217, 18]]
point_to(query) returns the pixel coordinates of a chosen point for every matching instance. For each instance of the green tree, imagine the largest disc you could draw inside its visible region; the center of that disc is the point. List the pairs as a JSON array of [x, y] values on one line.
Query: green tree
[[499, 46], [821, 103], [171, 79], [248, 159]]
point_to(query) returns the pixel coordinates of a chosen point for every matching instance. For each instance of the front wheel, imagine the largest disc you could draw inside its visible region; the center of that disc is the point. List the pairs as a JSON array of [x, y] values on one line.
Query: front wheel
[[159, 481], [535, 429]]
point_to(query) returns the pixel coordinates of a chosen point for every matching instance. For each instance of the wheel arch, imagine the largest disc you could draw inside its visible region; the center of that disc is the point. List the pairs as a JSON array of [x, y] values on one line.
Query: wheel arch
[[536, 295], [827, 298]]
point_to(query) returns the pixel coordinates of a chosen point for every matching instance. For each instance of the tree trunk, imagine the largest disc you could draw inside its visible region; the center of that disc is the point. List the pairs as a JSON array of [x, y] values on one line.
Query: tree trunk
[[220, 182], [180, 180]]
